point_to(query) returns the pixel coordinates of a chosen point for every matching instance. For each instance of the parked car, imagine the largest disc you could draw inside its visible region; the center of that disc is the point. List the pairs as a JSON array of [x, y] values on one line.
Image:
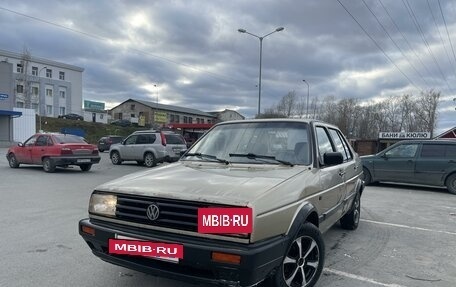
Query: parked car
[[297, 177], [424, 162], [121, 123], [105, 142], [54, 150], [145, 147], [72, 117], [175, 144]]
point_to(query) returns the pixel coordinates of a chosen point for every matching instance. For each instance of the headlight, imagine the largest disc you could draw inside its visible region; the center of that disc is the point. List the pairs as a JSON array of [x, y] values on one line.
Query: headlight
[[104, 204]]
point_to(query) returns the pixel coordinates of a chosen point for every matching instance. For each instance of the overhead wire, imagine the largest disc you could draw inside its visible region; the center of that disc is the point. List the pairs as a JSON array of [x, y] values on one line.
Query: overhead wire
[[440, 34], [405, 39], [395, 44], [448, 34], [420, 31], [378, 45]]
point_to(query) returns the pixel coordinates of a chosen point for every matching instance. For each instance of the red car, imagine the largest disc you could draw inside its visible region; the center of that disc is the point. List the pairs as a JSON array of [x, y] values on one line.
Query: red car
[[52, 150]]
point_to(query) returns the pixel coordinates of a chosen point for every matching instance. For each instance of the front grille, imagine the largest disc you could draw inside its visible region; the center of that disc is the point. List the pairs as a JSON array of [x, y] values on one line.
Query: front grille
[[175, 214]]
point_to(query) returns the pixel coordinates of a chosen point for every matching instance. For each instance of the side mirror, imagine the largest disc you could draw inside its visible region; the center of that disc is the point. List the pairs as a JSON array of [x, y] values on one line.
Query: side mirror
[[20, 144], [333, 158]]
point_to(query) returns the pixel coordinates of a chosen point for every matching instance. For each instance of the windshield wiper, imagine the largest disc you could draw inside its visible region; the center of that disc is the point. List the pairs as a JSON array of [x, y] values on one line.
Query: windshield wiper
[[259, 156], [209, 156]]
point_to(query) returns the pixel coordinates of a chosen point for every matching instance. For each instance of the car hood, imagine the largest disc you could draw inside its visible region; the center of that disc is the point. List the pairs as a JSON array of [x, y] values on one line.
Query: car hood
[[236, 185]]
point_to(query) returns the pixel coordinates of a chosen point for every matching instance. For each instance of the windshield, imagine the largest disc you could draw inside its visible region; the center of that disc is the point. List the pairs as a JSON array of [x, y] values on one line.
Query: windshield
[[284, 141]]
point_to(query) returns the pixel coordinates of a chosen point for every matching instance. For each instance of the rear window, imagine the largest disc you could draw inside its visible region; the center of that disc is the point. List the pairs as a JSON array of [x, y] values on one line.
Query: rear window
[[174, 139], [433, 150], [68, 139]]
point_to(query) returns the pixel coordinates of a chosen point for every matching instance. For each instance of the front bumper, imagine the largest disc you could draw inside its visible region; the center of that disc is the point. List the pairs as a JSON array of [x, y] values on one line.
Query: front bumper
[[75, 160], [258, 260]]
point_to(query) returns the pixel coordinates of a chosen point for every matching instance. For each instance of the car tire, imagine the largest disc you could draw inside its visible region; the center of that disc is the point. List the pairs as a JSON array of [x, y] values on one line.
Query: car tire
[[101, 150], [85, 167], [115, 158], [48, 165], [305, 255], [13, 163], [350, 220], [367, 176], [150, 160], [451, 183]]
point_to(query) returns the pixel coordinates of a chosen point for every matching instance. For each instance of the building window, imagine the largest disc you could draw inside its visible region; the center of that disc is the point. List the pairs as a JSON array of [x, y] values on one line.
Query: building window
[[34, 71], [176, 119], [61, 111], [49, 92], [35, 91], [19, 68], [19, 89], [197, 120], [190, 120], [171, 118], [185, 119], [132, 107], [48, 73], [132, 115], [35, 107], [49, 109], [62, 76], [101, 116], [20, 104], [62, 94]]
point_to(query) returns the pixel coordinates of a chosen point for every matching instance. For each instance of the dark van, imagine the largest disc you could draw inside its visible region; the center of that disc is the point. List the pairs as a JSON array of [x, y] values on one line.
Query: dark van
[[424, 162]]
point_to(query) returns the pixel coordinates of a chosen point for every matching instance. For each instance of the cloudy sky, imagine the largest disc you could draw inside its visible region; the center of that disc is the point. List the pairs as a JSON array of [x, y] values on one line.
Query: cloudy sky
[[190, 53]]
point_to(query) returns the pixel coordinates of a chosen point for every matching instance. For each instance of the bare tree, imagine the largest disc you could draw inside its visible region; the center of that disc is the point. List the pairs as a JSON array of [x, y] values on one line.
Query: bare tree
[[25, 61], [288, 104]]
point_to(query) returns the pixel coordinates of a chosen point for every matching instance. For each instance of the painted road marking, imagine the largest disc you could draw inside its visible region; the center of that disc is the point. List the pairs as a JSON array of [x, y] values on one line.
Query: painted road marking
[[409, 227], [360, 278]]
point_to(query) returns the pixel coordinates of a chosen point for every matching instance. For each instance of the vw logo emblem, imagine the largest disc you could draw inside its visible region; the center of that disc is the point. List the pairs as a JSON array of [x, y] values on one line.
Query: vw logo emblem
[[152, 212]]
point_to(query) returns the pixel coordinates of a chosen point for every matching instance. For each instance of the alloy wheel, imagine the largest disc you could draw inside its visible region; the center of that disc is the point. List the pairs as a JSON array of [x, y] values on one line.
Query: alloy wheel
[[301, 262]]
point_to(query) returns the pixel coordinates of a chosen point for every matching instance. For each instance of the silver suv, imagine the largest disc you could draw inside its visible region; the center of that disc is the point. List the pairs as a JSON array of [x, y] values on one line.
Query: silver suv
[[296, 177], [145, 147]]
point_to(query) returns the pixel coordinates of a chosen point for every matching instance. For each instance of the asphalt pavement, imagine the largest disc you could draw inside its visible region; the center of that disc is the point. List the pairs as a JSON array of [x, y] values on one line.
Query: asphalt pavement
[[406, 237]]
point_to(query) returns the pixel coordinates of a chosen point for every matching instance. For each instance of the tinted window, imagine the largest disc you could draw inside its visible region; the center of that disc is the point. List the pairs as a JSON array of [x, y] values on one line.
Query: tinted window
[[131, 140], [174, 139], [41, 141], [324, 143], [31, 141], [404, 150], [146, 139], [68, 139], [433, 150]]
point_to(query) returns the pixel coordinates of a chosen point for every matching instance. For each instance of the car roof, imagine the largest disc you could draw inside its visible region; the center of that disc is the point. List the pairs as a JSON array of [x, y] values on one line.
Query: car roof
[[432, 141]]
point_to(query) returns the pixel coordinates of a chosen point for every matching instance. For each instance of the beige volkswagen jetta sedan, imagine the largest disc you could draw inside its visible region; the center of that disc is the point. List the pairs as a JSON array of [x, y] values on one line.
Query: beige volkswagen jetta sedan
[[296, 177]]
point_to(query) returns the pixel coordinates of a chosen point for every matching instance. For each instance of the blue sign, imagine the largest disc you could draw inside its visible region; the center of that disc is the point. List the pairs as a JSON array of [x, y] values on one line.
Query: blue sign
[[3, 97]]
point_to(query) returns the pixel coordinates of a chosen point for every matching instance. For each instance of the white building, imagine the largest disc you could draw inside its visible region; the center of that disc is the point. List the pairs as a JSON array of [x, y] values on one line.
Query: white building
[[50, 88]]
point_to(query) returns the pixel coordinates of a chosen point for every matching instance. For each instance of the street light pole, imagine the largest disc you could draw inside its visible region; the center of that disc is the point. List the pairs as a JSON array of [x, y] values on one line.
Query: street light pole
[[39, 97], [307, 105], [261, 58]]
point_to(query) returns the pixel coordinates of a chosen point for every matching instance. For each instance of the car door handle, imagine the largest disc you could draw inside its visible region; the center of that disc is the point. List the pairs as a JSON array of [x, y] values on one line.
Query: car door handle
[[355, 167], [341, 173]]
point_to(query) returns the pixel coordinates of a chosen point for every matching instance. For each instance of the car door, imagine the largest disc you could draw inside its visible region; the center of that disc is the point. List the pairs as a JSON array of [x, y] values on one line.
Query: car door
[[331, 179], [128, 148], [397, 164], [25, 154], [349, 168], [39, 149], [434, 162]]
